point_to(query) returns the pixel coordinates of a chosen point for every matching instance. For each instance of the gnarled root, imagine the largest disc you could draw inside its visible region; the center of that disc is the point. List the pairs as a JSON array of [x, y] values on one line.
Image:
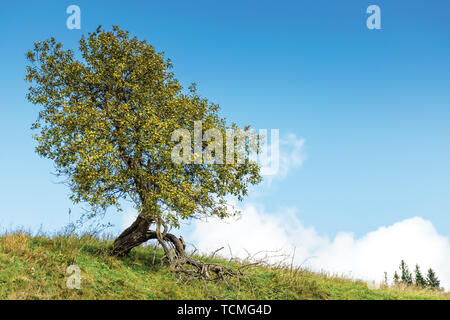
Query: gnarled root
[[188, 265], [174, 249]]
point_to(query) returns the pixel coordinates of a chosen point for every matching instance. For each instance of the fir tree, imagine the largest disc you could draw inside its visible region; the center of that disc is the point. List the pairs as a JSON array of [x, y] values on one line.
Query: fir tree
[[420, 280], [396, 278], [406, 276], [432, 280]]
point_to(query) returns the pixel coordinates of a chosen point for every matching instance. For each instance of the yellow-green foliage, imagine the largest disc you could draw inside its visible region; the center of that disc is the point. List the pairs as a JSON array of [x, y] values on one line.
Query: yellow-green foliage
[[107, 118], [35, 268]]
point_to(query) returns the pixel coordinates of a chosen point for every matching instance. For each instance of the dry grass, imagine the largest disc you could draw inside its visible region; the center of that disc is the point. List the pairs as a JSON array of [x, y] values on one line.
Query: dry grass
[[16, 242]]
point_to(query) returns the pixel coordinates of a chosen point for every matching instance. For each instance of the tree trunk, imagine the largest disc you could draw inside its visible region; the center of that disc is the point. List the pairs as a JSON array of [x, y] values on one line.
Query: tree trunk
[[139, 232], [133, 236]]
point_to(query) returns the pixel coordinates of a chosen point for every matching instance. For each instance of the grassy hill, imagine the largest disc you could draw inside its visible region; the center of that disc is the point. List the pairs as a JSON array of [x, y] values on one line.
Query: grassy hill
[[35, 268]]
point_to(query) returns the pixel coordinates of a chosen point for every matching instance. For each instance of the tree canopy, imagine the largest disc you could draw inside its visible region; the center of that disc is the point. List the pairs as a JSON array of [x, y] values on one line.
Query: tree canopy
[[107, 117]]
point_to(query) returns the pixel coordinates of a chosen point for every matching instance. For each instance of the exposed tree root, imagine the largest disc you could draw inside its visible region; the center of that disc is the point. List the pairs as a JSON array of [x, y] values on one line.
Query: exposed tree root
[[182, 263], [174, 249]]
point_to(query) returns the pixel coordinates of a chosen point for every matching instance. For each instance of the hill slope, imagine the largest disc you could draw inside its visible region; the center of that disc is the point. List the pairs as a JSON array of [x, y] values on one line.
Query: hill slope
[[35, 268]]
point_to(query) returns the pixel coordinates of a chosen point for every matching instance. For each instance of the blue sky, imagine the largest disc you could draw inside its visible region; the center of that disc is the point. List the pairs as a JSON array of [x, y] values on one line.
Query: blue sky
[[372, 105]]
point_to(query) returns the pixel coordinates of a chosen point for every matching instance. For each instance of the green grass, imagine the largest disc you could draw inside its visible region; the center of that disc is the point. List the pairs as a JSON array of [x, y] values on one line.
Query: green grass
[[35, 268]]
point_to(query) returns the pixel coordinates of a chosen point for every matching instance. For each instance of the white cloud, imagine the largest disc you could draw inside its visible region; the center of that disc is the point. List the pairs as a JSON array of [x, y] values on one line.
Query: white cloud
[[287, 157], [415, 240], [291, 153]]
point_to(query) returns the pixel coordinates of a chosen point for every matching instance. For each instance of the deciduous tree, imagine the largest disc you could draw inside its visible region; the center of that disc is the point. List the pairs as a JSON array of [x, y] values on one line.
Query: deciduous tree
[[106, 119]]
